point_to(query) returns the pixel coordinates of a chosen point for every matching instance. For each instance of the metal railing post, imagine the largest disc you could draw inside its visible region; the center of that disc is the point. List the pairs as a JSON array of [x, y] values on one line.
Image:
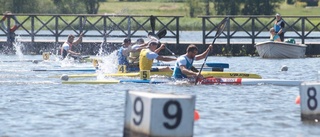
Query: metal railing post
[[57, 28], [253, 30], [129, 26], [303, 29], [32, 29], [177, 31], [204, 30]]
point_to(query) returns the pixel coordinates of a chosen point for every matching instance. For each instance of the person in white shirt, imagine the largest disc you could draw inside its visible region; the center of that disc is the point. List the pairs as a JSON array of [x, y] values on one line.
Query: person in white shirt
[[66, 47]]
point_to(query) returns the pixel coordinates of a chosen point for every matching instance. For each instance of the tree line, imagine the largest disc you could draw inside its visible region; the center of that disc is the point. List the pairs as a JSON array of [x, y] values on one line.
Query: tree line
[[241, 7], [196, 7], [51, 6]]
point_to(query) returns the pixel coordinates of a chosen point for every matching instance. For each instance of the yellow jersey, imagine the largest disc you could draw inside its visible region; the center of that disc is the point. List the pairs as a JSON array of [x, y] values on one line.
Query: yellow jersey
[[144, 62]]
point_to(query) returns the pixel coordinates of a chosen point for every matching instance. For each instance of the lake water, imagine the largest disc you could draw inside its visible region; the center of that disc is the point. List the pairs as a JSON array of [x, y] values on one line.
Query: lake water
[[33, 105]]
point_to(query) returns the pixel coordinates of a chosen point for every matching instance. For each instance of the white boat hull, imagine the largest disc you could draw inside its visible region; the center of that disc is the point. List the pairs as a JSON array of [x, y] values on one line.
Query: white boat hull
[[272, 49]]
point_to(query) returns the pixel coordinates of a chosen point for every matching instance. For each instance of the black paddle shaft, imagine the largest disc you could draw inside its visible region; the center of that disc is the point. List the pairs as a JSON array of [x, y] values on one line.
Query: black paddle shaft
[[152, 23], [220, 29]]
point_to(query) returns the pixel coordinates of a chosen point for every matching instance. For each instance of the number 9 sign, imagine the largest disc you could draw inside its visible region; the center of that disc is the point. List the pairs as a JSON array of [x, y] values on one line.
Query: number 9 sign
[[309, 101], [157, 114]]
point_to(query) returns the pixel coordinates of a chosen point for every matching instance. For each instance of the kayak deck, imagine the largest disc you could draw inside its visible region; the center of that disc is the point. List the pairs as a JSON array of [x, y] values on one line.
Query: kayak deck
[[208, 81], [169, 74]]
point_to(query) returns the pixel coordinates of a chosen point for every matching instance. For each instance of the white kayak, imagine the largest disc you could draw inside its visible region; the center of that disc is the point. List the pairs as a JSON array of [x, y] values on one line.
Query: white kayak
[[206, 81]]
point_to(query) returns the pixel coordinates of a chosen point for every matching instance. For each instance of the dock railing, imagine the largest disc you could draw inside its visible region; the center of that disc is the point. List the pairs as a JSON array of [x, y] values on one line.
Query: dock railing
[[302, 28], [57, 26], [240, 30]]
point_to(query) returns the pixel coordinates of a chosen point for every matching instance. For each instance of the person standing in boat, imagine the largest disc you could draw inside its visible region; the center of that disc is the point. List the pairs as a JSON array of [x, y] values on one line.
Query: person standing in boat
[[66, 47], [279, 26], [274, 36], [183, 65], [147, 56]]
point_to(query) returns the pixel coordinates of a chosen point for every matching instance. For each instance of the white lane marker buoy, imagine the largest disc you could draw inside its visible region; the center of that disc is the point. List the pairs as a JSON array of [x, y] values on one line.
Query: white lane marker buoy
[[284, 68], [159, 114], [35, 61], [64, 77]]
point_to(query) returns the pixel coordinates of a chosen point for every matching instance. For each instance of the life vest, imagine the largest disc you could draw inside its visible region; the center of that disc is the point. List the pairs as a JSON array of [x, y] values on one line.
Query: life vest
[[144, 62], [64, 52], [277, 25], [274, 37], [177, 73], [133, 56], [122, 60]]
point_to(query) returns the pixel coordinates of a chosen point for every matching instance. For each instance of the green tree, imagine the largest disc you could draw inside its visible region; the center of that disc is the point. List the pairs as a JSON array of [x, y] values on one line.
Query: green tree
[[310, 2], [20, 6], [227, 7], [69, 6], [207, 7], [291, 2], [194, 7], [78, 6], [260, 7], [92, 6]]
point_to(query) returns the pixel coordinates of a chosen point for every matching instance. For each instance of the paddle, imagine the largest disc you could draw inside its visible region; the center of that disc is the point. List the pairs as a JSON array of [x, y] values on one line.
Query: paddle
[[161, 33], [158, 36], [81, 57], [220, 29], [84, 22], [152, 23]]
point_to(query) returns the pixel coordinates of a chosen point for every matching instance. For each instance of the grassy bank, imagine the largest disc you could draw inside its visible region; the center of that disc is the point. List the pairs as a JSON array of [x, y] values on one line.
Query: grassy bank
[[188, 23]]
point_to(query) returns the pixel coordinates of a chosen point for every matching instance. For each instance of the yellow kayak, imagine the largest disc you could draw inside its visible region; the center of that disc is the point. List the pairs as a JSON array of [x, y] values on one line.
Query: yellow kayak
[[168, 74]]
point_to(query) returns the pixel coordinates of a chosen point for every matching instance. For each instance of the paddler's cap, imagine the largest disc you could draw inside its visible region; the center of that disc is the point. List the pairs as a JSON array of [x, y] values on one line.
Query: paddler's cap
[[126, 40], [140, 41], [278, 15]]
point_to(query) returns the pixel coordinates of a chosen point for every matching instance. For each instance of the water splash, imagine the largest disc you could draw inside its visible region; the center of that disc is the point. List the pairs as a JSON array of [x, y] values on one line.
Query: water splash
[[18, 45], [107, 64], [100, 52], [110, 63]]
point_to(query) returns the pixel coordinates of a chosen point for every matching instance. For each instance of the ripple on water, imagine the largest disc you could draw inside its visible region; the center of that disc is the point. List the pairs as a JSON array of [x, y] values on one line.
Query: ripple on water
[[32, 104]]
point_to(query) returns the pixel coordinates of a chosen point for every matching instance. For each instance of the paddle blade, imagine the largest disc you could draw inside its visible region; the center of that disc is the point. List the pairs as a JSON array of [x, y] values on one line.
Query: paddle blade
[[151, 35], [152, 23], [220, 28], [161, 33]]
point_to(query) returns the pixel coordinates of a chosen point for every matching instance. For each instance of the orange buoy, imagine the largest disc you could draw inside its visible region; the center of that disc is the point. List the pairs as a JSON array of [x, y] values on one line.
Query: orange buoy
[[196, 115], [298, 100]]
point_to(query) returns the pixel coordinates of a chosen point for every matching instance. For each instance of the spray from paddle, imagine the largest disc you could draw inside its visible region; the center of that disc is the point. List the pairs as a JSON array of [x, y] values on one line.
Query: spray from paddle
[[18, 45]]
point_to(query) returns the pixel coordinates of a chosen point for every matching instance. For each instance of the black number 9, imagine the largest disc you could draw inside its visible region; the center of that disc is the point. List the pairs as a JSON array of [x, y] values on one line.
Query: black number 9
[[177, 115], [138, 113]]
